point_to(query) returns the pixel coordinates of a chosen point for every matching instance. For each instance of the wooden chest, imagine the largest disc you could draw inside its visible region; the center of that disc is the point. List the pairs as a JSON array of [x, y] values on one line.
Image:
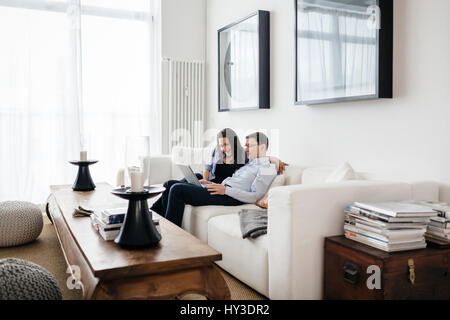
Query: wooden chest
[[351, 271]]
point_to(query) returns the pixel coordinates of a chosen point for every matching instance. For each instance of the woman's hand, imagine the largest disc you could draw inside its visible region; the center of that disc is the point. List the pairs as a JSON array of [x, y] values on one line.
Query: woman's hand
[[216, 189], [203, 181], [281, 166]]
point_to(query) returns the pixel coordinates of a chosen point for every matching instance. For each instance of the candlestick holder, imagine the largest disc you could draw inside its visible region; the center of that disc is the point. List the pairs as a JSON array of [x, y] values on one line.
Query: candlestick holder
[[83, 182], [138, 229]]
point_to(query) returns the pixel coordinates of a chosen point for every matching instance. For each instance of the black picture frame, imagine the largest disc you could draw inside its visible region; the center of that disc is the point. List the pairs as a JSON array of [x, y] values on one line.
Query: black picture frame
[[385, 58], [263, 64]]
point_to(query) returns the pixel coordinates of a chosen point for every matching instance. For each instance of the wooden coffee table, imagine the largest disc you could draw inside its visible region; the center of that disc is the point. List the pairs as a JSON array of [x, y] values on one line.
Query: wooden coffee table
[[178, 265]]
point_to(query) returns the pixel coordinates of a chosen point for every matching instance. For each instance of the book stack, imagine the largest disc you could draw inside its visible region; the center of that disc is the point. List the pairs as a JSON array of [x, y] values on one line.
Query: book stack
[[109, 221], [438, 230], [388, 226]]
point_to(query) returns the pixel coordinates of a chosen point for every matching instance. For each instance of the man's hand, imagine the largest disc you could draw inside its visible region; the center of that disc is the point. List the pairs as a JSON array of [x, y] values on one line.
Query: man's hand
[[280, 165], [203, 181], [216, 189]]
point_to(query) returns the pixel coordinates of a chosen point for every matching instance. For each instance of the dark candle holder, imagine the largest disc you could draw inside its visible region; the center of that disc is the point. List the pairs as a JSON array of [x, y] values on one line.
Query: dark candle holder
[[138, 229], [83, 182]]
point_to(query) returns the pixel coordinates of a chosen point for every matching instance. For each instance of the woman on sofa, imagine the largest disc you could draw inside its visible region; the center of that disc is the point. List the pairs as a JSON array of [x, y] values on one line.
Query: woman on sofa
[[227, 157]]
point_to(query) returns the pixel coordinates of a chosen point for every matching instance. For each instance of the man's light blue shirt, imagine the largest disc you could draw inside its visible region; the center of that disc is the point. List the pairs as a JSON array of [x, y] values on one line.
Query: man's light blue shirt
[[251, 182]]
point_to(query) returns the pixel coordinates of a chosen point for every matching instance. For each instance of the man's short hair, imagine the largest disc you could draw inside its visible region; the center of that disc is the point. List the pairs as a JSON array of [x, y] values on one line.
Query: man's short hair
[[260, 138]]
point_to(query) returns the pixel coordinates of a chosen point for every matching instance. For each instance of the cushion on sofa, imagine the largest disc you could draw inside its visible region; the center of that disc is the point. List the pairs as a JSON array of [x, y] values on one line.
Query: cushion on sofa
[[343, 172], [195, 219], [195, 157], [316, 175], [293, 174], [159, 169], [245, 259]]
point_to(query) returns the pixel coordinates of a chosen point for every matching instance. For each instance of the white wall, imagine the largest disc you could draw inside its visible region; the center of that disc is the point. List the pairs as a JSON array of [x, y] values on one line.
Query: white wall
[[408, 135], [183, 29], [183, 36]]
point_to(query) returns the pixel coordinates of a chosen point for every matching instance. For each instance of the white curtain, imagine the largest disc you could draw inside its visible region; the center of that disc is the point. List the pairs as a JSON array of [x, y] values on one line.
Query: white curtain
[[239, 65], [244, 72], [50, 109], [337, 53]]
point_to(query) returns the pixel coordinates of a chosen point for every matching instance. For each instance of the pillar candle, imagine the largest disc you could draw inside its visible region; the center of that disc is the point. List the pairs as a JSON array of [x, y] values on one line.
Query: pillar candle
[[137, 183], [83, 155]]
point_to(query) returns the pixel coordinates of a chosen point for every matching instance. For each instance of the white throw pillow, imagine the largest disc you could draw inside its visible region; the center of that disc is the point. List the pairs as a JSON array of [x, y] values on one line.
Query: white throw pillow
[[343, 172]]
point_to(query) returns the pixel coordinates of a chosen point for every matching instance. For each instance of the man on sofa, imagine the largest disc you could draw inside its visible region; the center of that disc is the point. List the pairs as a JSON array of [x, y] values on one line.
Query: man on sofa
[[247, 185]]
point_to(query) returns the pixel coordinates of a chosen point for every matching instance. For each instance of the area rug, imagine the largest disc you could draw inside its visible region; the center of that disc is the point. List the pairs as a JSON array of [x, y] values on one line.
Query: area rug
[[46, 252]]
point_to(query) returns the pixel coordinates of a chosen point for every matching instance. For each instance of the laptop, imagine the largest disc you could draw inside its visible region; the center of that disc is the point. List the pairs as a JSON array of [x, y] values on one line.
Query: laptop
[[190, 175]]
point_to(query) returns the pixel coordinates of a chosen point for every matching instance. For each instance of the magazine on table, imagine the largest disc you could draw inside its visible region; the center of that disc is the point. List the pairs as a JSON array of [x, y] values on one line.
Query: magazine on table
[[398, 209], [384, 218]]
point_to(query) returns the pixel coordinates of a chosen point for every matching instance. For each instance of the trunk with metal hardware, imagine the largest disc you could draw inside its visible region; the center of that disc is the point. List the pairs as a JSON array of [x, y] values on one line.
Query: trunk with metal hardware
[[357, 271]]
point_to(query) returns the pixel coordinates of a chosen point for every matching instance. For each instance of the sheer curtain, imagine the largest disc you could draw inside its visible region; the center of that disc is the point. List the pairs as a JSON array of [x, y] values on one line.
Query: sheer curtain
[[340, 50], [244, 73], [46, 115]]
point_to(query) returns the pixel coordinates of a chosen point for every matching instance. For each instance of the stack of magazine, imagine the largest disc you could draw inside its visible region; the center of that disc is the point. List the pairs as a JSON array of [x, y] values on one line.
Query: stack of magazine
[[389, 226], [109, 221], [438, 230]]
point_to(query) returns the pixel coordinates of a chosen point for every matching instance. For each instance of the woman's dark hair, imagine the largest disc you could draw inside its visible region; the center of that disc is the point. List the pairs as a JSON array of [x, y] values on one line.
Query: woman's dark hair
[[235, 144]]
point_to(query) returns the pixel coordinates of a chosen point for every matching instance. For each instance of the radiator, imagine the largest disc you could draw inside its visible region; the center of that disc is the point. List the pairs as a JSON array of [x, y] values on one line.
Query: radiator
[[186, 102]]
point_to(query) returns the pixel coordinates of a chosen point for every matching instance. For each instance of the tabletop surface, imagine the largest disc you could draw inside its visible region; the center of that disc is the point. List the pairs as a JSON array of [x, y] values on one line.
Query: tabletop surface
[[177, 249]]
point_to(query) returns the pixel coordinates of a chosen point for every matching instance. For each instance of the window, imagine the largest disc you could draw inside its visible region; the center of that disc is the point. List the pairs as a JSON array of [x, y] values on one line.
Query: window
[[40, 121]]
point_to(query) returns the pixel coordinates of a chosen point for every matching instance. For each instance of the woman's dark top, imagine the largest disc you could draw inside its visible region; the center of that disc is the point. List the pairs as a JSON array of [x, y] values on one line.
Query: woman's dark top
[[216, 159], [224, 171]]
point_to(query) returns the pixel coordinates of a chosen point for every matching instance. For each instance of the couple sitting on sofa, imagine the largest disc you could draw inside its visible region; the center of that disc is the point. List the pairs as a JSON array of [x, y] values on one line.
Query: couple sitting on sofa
[[232, 177]]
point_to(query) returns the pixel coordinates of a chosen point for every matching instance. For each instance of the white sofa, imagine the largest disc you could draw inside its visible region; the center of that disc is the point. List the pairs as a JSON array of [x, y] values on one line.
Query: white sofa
[[287, 262]]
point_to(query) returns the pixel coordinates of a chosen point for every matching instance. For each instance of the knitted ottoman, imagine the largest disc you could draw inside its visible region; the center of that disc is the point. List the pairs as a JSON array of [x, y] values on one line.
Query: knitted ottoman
[[20, 223], [24, 280]]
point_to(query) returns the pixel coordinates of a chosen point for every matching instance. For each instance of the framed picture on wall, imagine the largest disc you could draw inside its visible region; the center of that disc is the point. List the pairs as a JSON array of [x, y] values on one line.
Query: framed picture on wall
[[244, 63], [343, 50]]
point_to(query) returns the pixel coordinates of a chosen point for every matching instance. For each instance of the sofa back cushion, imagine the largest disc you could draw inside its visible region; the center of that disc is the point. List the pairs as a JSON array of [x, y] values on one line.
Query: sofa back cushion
[[160, 169], [293, 174], [341, 173], [195, 157], [316, 175]]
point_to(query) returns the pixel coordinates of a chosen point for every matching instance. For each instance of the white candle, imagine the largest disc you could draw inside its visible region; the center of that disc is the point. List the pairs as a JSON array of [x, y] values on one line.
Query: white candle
[[137, 183], [83, 155], [121, 178]]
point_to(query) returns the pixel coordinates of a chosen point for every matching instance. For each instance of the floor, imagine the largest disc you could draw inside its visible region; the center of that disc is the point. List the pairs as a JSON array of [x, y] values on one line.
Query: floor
[[46, 252]]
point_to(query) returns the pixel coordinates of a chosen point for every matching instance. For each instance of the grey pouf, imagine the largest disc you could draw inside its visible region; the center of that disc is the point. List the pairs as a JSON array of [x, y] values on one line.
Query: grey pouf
[[24, 280], [20, 222]]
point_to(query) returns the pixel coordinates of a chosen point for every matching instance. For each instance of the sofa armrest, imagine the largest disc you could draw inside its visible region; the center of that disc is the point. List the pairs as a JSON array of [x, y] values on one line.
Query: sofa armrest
[[160, 169], [300, 217], [425, 190]]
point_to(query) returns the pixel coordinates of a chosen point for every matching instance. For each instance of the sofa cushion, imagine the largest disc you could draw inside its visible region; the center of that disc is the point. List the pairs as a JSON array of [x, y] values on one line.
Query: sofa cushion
[[425, 190], [245, 259], [316, 175], [195, 157], [195, 219], [343, 172], [293, 174], [160, 169]]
